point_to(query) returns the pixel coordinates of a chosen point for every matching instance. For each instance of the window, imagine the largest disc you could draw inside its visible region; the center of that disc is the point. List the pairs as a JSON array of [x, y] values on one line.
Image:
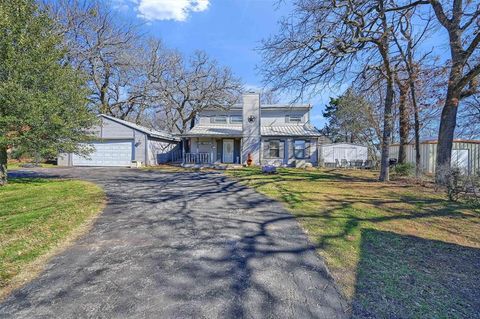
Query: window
[[274, 149], [219, 119], [236, 119], [294, 118], [299, 148]]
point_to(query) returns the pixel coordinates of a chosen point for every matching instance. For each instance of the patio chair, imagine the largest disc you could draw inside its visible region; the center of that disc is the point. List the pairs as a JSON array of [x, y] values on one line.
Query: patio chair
[[337, 163], [344, 163], [368, 164]]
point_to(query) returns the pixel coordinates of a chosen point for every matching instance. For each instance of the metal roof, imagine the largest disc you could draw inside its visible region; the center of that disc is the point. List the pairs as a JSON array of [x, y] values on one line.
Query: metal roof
[[290, 130], [215, 130], [143, 129], [236, 130]]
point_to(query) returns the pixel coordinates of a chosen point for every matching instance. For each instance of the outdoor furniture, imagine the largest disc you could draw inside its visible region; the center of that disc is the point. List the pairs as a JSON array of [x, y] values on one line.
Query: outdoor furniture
[[356, 164], [344, 163], [330, 164], [368, 164]]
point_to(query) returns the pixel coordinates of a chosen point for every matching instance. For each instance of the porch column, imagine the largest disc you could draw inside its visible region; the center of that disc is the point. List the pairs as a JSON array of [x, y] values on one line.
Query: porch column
[[183, 151]]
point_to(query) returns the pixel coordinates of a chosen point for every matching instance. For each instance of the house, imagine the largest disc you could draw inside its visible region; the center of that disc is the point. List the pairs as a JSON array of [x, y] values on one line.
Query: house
[[118, 143], [270, 134], [465, 155]]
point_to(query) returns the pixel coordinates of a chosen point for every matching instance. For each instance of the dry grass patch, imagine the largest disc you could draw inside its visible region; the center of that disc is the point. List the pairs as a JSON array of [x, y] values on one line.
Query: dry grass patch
[[37, 218], [394, 248]]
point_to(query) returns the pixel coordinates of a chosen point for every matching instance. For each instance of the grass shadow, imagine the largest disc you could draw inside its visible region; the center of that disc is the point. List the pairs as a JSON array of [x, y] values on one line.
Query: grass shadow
[[401, 276]]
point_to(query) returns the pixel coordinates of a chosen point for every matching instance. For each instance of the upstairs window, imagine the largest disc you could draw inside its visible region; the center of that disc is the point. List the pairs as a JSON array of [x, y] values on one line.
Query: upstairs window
[[294, 118], [219, 119], [299, 149], [236, 119], [274, 149]]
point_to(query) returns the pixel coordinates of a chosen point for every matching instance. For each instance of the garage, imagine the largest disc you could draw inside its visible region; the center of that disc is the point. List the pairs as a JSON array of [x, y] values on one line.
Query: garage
[[118, 143], [107, 153], [338, 152], [465, 155]]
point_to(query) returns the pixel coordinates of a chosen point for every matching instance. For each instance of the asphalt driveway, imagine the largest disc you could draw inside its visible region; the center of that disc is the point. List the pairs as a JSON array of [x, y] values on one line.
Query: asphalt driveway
[[181, 245]]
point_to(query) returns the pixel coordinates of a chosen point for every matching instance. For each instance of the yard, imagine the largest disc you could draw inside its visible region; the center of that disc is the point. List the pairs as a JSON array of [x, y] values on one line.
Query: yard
[[396, 249], [37, 218]]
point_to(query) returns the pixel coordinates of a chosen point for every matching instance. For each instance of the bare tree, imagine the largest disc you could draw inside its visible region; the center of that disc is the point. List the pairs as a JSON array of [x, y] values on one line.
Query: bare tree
[[323, 41], [460, 19], [112, 53], [187, 86]]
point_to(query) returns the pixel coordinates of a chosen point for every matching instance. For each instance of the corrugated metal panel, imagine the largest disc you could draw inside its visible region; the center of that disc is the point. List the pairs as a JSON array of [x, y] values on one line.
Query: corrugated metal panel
[[428, 154]]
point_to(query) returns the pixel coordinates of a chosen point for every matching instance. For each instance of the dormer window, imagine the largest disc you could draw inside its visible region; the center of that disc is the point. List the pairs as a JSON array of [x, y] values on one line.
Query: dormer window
[[236, 119], [219, 119], [293, 119]]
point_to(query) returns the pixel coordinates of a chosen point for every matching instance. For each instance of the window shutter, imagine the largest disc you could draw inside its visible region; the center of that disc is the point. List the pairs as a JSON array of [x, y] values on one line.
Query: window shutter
[[282, 149], [266, 148]]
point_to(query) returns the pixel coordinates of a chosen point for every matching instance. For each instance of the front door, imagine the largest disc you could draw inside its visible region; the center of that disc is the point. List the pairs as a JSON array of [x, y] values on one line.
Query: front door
[[228, 151]]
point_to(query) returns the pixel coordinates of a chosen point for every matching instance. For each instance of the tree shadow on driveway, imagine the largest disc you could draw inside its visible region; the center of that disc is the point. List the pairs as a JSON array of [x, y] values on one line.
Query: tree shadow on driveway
[[175, 245]]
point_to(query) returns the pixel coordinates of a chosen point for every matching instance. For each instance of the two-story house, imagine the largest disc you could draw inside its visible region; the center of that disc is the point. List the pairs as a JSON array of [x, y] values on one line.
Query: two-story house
[[273, 134]]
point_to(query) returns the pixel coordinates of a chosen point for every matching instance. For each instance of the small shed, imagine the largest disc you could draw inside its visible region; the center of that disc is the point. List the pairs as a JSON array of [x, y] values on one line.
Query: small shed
[[465, 155], [331, 153], [120, 142]]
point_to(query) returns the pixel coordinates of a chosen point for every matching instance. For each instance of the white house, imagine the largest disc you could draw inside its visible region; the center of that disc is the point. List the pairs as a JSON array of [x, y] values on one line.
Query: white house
[[276, 134]]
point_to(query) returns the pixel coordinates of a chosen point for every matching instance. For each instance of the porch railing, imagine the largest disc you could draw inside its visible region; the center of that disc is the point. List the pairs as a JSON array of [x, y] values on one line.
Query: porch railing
[[197, 158]]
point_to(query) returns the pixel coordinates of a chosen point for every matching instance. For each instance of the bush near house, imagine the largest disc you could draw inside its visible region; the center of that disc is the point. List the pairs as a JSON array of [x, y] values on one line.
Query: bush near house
[[37, 217], [396, 249]]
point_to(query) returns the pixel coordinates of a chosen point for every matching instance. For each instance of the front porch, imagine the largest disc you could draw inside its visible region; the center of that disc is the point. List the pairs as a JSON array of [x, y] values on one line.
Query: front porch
[[212, 151]]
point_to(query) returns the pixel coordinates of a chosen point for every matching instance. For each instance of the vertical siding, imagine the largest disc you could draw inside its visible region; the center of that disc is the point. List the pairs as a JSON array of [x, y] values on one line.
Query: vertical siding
[[428, 155]]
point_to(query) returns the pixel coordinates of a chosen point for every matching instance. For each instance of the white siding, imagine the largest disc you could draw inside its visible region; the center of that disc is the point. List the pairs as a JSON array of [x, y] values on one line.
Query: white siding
[[329, 153]]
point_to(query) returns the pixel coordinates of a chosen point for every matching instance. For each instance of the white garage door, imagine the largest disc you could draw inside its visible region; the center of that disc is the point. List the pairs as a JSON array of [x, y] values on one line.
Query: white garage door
[[107, 153]]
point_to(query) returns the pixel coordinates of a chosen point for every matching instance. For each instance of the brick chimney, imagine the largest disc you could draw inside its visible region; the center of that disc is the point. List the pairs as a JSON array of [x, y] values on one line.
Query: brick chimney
[[251, 127]]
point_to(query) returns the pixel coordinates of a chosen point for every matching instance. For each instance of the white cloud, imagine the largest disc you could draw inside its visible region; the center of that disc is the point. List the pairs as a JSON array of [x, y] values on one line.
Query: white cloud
[[178, 10]]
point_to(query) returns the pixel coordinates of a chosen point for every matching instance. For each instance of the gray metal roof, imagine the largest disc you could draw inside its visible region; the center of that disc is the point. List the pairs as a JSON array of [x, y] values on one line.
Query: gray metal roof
[[290, 130], [236, 130], [215, 130], [143, 129]]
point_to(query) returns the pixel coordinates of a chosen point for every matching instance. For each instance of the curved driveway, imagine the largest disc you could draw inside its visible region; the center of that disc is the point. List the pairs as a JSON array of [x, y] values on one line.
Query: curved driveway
[[181, 245]]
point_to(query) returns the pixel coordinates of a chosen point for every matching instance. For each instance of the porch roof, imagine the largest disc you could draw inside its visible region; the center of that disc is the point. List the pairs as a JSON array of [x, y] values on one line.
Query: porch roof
[[290, 130], [215, 130], [306, 130]]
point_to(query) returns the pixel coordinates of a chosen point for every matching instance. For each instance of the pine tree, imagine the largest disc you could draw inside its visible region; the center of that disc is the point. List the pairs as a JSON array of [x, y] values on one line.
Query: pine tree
[[42, 99]]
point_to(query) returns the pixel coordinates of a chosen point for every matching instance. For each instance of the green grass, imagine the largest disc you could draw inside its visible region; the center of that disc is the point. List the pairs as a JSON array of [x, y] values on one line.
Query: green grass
[[38, 216], [396, 249], [18, 165]]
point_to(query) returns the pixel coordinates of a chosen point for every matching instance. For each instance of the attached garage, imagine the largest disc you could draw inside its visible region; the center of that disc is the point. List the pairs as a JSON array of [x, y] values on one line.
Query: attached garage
[[119, 142]]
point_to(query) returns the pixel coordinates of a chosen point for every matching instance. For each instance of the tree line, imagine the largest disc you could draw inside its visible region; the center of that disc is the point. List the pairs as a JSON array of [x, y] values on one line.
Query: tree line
[[391, 54], [62, 62]]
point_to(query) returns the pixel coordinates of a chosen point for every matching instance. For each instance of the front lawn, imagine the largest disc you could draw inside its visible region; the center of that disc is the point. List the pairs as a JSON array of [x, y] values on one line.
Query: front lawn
[[396, 249], [37, 218]]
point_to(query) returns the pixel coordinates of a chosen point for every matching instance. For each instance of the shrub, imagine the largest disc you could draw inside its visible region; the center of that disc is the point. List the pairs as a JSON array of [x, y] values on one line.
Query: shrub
[[460, 186], [405, 169]]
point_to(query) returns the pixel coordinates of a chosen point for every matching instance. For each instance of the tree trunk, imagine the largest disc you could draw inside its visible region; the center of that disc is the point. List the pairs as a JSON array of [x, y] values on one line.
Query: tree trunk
[[403, 124], [387, 132], [446, 134], [3, 165], [418, 171]]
